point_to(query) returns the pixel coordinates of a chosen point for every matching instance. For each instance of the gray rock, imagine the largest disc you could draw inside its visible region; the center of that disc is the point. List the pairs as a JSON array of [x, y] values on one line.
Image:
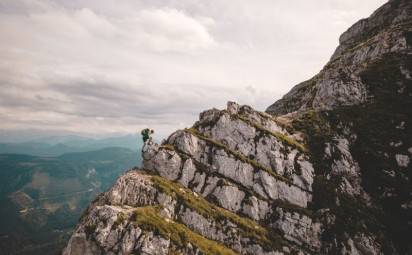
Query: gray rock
[[229, 197], [234, 169], [281, 190], [299, 229], [402, 160], [232, 107], [133, 189], [79, 245], [188, 173], [256, 209], [199, 182], [186, 142], [168, 205], [211, 184], [165, 162], [152, 244], [129, 239]]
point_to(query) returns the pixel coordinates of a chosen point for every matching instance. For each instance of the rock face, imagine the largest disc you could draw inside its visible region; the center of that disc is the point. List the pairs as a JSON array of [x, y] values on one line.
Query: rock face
[[237, 182], [326, 172], [388, 32], [356, 116]]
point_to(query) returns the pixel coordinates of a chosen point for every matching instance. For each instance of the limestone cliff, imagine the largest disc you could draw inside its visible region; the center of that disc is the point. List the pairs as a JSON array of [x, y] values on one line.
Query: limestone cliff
[[356, 115], [326, 172], [386, 37], [236, 182]]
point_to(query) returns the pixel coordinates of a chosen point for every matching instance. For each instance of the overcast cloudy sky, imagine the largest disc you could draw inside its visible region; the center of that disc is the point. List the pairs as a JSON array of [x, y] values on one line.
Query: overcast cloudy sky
[[100, 66]]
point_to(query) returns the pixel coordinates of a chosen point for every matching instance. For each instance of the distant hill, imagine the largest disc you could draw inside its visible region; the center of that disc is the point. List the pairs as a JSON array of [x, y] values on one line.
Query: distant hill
[[41, 198], [58, 145]]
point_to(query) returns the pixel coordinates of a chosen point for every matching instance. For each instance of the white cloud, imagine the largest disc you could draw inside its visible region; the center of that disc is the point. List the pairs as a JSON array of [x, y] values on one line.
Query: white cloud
[[171, 30], [109, 66]]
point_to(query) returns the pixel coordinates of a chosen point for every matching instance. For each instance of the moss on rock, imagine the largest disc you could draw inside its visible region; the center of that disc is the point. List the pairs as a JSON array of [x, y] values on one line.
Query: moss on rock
[[149, 219], [197, 203]]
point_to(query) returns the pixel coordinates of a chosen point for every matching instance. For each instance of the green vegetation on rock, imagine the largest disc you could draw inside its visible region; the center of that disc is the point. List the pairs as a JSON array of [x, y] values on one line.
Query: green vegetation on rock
[[197, 203], [282, 137], [239, 155], [149, 219]]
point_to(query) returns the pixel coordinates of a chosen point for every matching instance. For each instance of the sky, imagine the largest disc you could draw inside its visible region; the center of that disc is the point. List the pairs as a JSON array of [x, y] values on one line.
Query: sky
[[110, 66]]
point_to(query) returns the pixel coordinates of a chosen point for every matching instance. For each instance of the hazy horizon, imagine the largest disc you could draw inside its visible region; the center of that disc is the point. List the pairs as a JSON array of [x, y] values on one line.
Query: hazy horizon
[[107, 67], [36, 135]]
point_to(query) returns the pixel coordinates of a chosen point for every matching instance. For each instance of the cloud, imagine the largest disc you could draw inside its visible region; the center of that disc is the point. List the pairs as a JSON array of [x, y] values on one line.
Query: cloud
[[171, 30], [100, 66]]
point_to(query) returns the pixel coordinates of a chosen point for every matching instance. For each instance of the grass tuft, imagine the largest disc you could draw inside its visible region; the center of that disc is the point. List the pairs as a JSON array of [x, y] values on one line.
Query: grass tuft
[[169, 147]]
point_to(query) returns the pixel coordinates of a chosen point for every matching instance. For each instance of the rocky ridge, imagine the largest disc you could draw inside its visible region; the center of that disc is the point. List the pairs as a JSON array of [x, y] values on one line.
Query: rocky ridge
[[326, 172], [356, 116], [237, 182], [387, 32]]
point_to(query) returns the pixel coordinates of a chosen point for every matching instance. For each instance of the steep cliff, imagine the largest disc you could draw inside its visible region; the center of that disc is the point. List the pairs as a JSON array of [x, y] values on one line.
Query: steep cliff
[[383, 39], [326, 172], [362, 101]]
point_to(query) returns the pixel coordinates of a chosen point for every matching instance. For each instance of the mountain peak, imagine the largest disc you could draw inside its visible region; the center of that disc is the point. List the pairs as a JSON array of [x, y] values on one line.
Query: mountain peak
[[393, 13], [340, 83]]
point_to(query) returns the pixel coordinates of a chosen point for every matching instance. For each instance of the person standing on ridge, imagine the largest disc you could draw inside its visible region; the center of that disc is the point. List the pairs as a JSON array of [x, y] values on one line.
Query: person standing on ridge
[[146, 135]]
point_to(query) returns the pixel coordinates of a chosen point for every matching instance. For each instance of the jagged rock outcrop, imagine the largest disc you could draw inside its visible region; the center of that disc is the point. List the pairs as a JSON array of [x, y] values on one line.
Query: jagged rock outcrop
[[341, 83], [356, 116], [326, 172], [236, 181]]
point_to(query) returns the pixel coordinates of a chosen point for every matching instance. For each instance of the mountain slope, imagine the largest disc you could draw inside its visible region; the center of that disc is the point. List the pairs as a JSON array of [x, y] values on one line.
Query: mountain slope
[[326, 172], [213, 184], [388, 32], [41, 198], [363, 96]]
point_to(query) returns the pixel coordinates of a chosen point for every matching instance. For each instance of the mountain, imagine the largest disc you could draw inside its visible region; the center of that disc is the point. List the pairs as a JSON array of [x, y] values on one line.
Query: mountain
[[326, 170], [25, 135], [372, 51], [58, 145], [41, 198]]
